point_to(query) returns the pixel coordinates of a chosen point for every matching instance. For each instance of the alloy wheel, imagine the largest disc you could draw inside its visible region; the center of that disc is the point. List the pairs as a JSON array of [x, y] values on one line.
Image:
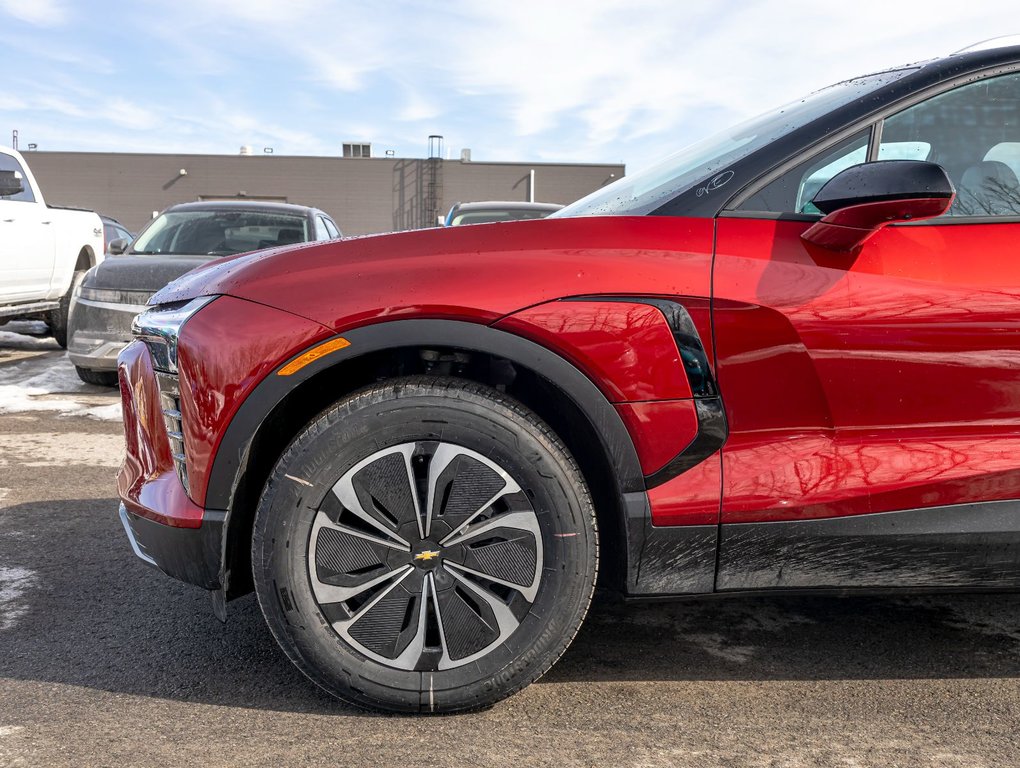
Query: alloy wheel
[[425, 556]]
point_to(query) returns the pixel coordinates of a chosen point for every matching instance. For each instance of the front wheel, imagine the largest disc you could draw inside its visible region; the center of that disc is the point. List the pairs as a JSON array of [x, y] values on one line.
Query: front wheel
[[96, 377], [425, 545], [57, 319]]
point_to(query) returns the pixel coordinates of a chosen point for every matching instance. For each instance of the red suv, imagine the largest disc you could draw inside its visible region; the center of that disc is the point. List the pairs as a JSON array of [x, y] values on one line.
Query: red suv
[[726, 374]]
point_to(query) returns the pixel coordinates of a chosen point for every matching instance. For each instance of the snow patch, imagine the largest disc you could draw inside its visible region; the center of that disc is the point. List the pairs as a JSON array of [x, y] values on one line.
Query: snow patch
[[14, 584], [53, 449], [24, 335], [111, 412], [51, 384]]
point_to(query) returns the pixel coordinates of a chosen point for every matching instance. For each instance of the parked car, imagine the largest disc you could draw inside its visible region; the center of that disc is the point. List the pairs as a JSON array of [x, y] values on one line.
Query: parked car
[[114, 230], [423, 449], [44, 249], [181, 238], [494, 210]]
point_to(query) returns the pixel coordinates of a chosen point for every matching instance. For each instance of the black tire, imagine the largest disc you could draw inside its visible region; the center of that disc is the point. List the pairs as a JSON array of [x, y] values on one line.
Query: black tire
[[99, 378], [57, 319], [306, 542]]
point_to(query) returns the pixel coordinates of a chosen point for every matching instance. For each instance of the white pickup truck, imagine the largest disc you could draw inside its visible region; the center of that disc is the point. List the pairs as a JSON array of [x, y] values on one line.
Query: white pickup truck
[[44, 250]]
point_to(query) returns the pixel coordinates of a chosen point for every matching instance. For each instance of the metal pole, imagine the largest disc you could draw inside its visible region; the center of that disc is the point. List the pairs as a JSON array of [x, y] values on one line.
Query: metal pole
[[531, 186]]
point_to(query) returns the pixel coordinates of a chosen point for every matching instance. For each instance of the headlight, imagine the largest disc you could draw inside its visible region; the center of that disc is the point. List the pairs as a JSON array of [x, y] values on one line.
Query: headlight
[[112, 296], [160, 327]]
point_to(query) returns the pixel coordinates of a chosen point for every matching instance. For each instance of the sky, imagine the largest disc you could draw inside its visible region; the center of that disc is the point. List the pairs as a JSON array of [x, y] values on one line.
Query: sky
[[554, 81]]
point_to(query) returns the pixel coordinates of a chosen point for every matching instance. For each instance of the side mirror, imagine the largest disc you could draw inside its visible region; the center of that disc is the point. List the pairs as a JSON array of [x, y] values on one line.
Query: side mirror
[[860, 200], [118, 246], [11, 183]]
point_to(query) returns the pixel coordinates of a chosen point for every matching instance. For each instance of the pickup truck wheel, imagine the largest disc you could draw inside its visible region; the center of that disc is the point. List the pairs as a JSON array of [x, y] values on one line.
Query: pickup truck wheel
[[99, 378], [58, 317], [425, 545]]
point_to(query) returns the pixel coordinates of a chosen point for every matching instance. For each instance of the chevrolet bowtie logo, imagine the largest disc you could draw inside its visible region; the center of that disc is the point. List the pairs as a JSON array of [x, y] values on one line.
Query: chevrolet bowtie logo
[[427, 555]]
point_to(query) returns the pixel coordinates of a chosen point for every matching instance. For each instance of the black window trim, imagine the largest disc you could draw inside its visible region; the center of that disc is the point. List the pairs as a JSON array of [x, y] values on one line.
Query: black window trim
[[874, 121]]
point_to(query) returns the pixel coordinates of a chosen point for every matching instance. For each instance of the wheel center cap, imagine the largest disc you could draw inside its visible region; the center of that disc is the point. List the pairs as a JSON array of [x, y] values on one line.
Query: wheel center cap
[[426, 556]]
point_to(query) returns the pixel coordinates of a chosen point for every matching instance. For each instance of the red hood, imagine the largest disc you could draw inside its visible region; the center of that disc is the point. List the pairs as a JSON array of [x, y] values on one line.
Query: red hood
[[481, 272]]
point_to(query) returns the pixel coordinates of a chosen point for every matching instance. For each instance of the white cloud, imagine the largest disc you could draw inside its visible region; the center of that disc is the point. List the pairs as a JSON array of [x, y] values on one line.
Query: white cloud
[[126, 114], [62, 106], [11, 103], [43, 13], [653, 69], [418, 107]]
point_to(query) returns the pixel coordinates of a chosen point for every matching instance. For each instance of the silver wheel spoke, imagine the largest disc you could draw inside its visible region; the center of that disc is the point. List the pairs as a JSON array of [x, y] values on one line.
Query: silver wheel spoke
[[506, 623], [530, 591], [521, 521], [441, 459], [509, 486], [332, 593], [408, 658], [322, 521], [524, 521], [328, 593], [344, 490]]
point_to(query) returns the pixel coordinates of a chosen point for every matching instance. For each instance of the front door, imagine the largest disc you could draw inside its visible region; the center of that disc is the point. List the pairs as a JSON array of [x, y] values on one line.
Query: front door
[[874, 399], [26, 242]]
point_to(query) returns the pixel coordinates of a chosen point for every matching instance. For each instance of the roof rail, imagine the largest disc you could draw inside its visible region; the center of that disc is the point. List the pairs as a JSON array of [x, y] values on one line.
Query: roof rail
[[1003, 41]]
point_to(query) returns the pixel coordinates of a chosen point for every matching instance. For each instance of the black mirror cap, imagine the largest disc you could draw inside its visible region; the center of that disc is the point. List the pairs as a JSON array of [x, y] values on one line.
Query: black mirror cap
[[882, 181], [118, 246], [11, 183]]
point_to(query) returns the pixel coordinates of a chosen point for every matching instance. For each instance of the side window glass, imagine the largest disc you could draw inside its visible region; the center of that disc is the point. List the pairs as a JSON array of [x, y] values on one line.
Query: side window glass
[[320, 229], [8, 163], [974, 133], [334, 233], [793, 191]]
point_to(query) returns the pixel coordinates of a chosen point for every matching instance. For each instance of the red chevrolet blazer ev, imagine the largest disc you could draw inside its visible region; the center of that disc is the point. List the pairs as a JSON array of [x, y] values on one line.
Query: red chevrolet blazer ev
[[785, 358]]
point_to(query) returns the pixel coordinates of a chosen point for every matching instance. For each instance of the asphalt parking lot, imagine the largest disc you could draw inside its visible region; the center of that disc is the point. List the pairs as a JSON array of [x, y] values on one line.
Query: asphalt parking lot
[[105, 662]]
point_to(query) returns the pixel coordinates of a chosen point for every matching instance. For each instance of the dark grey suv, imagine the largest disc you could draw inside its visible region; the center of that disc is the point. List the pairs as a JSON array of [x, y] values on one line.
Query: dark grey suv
[[178, 240]]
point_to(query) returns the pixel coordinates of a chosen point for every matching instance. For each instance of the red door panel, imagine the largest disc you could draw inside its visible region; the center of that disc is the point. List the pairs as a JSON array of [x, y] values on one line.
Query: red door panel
[[874, 383]]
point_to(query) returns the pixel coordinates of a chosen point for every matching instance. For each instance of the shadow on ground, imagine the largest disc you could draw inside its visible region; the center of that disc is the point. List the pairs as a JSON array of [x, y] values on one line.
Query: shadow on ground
[[85, 612]]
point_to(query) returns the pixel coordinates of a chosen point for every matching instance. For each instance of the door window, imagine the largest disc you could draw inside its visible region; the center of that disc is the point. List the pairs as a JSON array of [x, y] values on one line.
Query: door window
[[8, 163], [974, 133], [793, 191]]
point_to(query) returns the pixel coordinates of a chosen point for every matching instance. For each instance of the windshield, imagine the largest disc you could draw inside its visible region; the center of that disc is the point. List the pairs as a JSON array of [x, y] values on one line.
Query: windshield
[[703, 161], [218, 233], [492, 215]]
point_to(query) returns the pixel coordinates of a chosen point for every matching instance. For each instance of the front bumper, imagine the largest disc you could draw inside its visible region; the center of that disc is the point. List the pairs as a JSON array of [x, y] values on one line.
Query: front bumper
[[99, 331], [192, 555], [166, 528]]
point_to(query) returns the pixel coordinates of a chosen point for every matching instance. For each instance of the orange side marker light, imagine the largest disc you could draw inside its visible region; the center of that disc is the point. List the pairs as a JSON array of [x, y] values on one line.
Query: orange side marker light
[[312, 355]]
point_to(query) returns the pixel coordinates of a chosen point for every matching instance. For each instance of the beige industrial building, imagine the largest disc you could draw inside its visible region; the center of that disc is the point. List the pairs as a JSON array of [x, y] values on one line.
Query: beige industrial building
[[364, 194]]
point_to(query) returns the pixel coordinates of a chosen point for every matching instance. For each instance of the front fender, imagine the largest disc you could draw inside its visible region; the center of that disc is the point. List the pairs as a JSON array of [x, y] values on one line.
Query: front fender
[[231, 455]]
